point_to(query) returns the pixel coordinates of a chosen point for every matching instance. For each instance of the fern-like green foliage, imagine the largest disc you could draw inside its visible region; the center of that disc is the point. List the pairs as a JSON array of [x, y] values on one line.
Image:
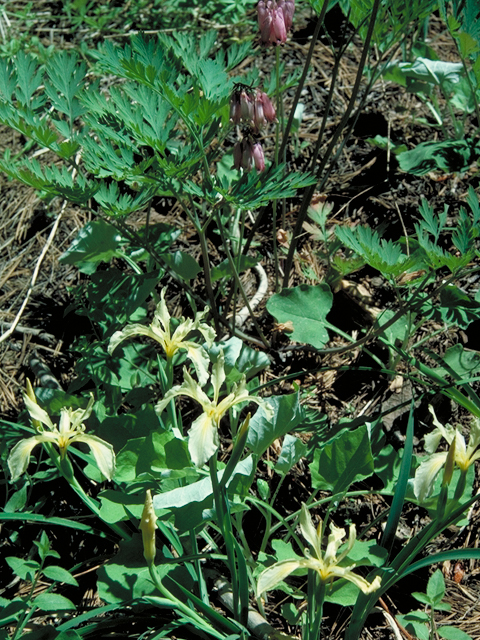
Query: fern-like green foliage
[[155, 127], [386, 256], [393, 19], [426, 251]]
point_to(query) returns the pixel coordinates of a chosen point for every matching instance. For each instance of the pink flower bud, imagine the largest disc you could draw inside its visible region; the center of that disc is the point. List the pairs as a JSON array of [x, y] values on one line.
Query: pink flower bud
[[259, 119], [235, 108], [278, 24], [258, 157], [275, 19], [248, 153], [247, 156], [246, 107], [237, 156], [268, 108], [288, 11]]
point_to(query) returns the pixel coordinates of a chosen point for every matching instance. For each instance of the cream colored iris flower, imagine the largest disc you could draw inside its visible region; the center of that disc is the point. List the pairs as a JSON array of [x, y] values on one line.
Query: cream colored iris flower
[[326, 564], [159, 330], [70, 430], [465, 455], [203, 438]]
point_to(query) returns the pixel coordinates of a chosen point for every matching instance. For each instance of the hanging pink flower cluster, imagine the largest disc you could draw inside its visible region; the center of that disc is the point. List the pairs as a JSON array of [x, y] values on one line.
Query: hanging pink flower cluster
[[253, 110], [248, 153], [275, 19]]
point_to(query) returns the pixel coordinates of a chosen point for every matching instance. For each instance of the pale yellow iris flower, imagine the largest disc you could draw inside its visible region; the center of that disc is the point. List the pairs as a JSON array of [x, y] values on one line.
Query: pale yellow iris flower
[[70, 430], [326, 564], [203, 439], [159, 330], [464, 455]]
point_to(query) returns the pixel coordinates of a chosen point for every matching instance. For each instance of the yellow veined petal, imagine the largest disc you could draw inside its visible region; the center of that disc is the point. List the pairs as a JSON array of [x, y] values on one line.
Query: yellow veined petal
[[218, 376], [64, 422], [162, 316], [461, 457], [31, 395], [203, 440], [37, 413], [133, 330], [426, 473], [200, 360], [312, 535], [206, 330], [188, 388], [102, 452], [182, 330], [352, 536], [334, 542], [273, 575], [19, 456], [348, 574], [432, 440], [474, 440]]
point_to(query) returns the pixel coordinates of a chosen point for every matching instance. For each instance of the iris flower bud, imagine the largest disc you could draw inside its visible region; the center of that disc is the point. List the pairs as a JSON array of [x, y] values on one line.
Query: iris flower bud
[[147, 527]]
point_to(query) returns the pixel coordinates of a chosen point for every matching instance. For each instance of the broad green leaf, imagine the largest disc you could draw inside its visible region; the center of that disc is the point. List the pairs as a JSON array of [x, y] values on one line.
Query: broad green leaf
[[452, 633], [96, 242], [10, 611], [158, 454], [344, 460], [118, 506], [414, 623], [423, 74], [126, 576], [240, 359], [307, 308], [59, 574], [115, 296], [293, 450], [396, 331], [460, 362], [367, 553], [118, 430], [457, 307], [183, 264], [343, 593], [192, 505], [54, 602], [24, 569], [262, 431], [436, 586], [223, 270]]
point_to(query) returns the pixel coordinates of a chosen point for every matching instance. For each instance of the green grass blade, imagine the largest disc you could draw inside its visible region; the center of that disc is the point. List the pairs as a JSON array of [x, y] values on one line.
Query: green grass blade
[[401, 488], [62, 522]]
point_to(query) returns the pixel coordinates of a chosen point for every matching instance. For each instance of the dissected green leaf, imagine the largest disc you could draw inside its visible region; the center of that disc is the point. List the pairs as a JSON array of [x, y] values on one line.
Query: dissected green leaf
[[449, 156]]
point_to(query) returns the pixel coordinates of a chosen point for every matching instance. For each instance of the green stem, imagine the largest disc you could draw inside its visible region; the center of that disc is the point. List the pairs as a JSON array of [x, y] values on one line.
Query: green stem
[[179, 606], [343, 122], [239, 283], [301, 82], [224, 524]]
